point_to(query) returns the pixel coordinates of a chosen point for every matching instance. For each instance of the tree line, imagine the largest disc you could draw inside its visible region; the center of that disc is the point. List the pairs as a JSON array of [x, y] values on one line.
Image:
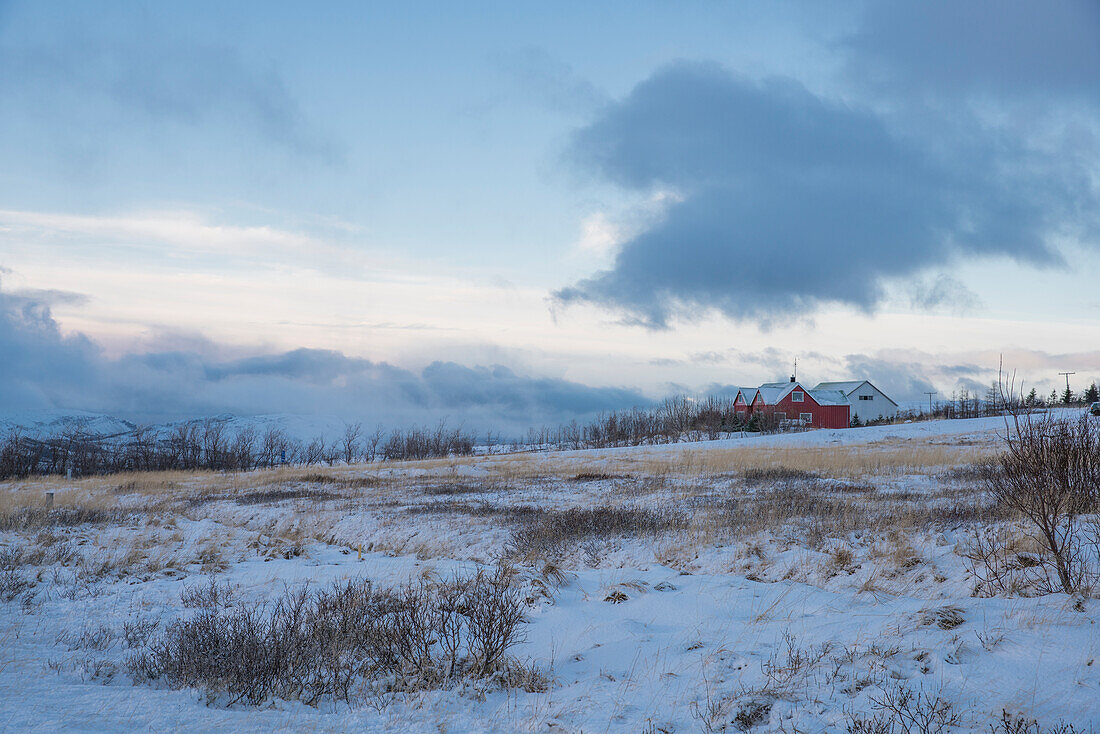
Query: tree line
[[211, 446]]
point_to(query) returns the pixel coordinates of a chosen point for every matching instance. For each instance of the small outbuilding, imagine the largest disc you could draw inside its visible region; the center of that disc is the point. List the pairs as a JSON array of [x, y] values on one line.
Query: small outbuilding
[[867, 401]]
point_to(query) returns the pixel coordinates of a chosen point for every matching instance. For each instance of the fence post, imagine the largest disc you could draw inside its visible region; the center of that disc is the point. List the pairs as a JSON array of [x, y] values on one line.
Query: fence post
[[49, 500]]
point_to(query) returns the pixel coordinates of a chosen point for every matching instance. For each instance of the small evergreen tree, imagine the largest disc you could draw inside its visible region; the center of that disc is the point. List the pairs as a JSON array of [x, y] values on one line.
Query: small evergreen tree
[[1032, 399], [1053, 399], [1092, 394], [1067, 396], [856, 422]]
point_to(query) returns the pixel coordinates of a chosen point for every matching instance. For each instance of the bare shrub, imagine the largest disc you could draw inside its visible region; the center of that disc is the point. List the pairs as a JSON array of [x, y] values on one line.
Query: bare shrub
[[30, 518], [1050, 474], [314, 644], [591, 476], [210, 595], [1016, 724], [136, 632], [270, 496], [12, 584], [903, 711], [343, 482], [774, 474], [792, 663], [454, 488], [548, 532]]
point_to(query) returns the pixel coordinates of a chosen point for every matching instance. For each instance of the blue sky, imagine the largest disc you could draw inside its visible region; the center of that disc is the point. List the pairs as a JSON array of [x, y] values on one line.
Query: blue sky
[[592, 205]]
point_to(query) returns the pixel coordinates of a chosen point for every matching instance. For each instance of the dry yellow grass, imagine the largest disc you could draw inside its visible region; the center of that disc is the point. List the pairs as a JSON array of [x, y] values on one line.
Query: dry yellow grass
[[694, 460]]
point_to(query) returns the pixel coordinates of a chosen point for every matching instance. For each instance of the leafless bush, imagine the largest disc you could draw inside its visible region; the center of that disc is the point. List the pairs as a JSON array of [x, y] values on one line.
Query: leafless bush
[[453, 488], [268, 496], [12, 584], [901, 711], [775, 474], [792, 663], [975, 473], [28, 518], [136, 632], [210, 595], [1050, 474], [1001, 565], [519, 513], [547, 532], [1016, 724], [316, 644], [343, 482]]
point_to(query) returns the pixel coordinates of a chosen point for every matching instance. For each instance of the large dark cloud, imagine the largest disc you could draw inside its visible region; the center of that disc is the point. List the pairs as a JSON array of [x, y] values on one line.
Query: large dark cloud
[[1003, 48], [41, 368], [787, 200]]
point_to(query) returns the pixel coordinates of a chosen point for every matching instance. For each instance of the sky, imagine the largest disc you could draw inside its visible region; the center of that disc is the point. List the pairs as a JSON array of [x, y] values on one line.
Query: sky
[[516, 214]]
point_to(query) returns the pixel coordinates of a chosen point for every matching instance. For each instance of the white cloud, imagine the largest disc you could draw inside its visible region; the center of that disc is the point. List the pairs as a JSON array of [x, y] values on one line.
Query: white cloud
[[170, 234]]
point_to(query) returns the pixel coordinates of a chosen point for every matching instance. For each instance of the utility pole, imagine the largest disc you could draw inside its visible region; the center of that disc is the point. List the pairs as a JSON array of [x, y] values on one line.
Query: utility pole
[[1067, 374], [930, 393]]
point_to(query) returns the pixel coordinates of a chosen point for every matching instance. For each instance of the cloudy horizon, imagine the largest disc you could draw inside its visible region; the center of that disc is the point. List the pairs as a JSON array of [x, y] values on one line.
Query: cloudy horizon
[[516, 218]]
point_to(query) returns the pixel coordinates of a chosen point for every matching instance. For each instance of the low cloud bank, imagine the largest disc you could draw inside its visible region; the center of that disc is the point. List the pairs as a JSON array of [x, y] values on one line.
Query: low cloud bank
[[44, 369]]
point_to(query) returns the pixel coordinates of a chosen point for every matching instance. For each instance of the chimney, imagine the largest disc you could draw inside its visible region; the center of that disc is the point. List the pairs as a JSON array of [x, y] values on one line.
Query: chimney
[[792, 378]]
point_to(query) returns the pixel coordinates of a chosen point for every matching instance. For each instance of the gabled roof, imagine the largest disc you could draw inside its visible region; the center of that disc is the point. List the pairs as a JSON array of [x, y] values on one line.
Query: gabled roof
[[747, 392], [770, 394], [773, 392], [850, 386]]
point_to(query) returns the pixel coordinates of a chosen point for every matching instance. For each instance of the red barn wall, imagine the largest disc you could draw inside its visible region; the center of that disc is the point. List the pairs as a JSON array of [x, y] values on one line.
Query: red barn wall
[[824, 416]]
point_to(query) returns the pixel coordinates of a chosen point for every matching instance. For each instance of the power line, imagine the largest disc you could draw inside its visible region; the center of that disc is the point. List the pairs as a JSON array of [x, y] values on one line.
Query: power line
[[930, 393], [1067, 374]]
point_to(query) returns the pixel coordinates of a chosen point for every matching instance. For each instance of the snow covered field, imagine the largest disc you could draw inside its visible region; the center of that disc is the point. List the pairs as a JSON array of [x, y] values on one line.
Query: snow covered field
[[797, 583]]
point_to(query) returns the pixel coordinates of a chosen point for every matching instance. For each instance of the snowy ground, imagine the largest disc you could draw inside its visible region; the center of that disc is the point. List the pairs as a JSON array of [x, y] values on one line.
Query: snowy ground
[[799, 581]]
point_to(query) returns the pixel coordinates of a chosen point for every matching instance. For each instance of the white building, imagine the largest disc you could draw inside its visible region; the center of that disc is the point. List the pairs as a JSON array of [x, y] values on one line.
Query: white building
[[868, 402]]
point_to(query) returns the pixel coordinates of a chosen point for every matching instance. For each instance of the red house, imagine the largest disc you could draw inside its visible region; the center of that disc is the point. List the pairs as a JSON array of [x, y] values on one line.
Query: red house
[[791, 401]]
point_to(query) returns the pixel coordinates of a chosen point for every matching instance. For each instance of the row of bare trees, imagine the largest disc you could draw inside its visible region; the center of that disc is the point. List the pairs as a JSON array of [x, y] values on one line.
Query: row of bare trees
[[674, 420], [211, 445]]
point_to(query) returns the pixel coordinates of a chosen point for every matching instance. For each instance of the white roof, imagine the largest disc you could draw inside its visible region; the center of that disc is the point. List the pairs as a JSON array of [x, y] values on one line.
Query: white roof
[[773, 392], [846, 385], [850, 386], [829, 397], [748, 392]]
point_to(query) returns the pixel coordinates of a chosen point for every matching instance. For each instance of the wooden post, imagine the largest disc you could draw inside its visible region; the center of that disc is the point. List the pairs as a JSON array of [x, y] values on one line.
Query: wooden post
[[49, 499]]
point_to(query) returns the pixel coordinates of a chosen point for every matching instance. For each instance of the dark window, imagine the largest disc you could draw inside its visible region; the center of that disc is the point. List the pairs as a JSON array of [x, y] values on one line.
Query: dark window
[[866, 397], [807, 417], [796, 396]]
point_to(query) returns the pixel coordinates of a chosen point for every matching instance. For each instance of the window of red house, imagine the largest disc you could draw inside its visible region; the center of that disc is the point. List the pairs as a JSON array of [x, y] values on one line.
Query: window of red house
[[797, 396]]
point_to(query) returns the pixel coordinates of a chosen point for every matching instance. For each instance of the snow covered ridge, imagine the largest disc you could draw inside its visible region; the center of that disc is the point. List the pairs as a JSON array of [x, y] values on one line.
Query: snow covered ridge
[[51, 423], [820, 581]]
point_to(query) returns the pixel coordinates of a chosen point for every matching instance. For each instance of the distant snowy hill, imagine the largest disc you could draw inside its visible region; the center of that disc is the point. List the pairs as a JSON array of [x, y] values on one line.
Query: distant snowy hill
[[49, 423], [46, 423]]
